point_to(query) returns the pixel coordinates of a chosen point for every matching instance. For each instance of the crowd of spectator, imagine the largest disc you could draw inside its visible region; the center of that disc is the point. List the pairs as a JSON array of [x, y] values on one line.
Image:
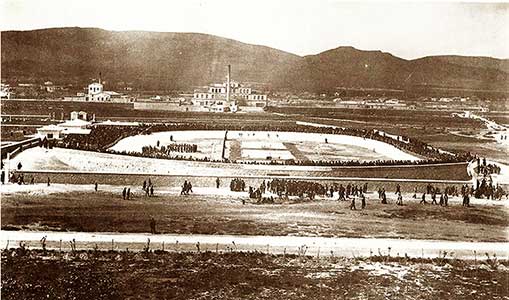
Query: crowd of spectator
[[485, 188], [349, 163], [167, 151], [102, 137], [237, 185], [486, 170], [299, 188]]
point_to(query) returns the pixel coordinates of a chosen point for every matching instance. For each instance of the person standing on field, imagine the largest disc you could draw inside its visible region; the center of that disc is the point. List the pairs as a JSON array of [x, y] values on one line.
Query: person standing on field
[[363, 201], [352, 204], [152, 225], [400, 199]]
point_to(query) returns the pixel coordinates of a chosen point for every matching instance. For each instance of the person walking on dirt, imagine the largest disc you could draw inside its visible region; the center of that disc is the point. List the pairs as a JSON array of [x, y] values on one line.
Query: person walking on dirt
[[152, 190], [96, 186], [363, 201], [48, 181], [466, 200], [384, 197], [352, 204], [400, 199], [423, 201], [398, 189], [446, 199], [184, 188], [124, 192], [434, 198], [128, 193], [218, 182], [144, 185], [152, 225], [341, 193]]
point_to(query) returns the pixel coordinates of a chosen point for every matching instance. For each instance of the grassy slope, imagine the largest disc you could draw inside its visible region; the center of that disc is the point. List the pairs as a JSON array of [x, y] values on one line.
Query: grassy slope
[[114, 275]]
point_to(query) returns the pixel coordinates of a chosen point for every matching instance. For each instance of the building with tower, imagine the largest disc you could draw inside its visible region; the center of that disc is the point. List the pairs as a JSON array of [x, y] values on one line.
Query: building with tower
[[228, 96]]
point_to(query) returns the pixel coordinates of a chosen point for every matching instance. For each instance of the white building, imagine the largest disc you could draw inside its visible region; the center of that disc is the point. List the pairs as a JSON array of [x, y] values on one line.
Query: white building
[[5, 91], [227, 96], [50, 132], [78, 115], [78, 124], [96, 93]]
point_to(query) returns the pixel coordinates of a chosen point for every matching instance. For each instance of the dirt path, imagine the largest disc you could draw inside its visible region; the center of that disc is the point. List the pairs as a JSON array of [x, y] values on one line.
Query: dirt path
[[296, 152], [324, 246]]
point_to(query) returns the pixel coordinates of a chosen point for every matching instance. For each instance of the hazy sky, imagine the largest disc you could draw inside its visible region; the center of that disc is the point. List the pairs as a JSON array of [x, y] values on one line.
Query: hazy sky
[[405, 29]]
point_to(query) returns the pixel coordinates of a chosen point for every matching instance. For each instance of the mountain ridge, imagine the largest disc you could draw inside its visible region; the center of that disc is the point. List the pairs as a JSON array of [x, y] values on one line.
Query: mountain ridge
[[172, 60]]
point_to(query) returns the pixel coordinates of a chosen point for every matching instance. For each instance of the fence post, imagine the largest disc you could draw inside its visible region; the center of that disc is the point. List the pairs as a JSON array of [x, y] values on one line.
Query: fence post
[[7, 167]]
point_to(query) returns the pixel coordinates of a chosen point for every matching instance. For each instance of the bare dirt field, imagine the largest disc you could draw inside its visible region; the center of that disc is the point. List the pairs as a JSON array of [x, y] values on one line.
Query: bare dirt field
[[224, 213], [207, 275]]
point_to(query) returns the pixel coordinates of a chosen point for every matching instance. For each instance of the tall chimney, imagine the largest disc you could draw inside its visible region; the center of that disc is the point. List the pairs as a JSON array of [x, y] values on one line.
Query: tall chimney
[[228, 84]]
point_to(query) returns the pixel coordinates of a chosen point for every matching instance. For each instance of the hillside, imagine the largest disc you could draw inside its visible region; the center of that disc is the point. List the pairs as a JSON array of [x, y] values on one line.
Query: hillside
[[155, 60], [158, 60]]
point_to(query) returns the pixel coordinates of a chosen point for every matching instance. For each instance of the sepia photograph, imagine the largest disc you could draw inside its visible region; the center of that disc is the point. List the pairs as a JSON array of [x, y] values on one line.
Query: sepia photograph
[[221, 149]]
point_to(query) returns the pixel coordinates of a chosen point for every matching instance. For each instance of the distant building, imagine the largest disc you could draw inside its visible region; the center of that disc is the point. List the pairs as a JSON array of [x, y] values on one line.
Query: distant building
[[227, 96], [78, 124], [48, 87], [370, 104], [50, 132], [5, 91], [79, 115], [96, 93], [349, 103]]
